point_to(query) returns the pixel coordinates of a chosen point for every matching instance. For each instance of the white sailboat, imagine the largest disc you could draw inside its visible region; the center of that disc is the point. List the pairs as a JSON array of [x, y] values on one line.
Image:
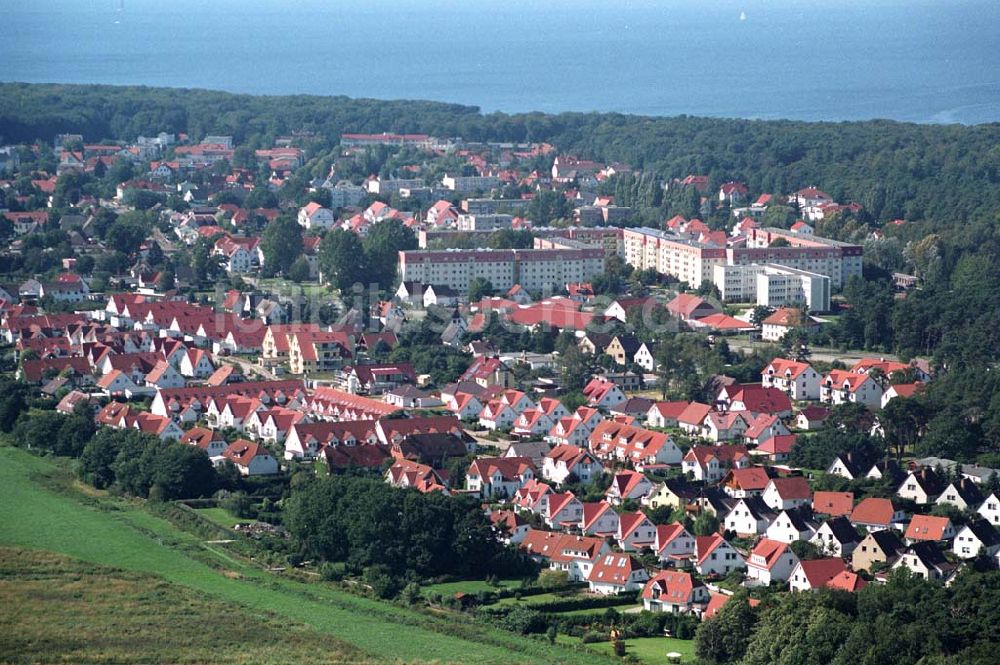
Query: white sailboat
[[743, 16]]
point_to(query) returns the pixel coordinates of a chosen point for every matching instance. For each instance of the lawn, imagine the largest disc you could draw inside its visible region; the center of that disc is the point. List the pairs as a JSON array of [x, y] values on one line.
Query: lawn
[[96, 614], [468, 586], [220, 516], [123, 535], [651, 650], [531, 600]]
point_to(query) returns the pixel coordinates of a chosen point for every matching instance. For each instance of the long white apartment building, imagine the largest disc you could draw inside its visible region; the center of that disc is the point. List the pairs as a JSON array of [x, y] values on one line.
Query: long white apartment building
[[533, 269], [693, 262], [773, 285], [470, 184], [484, 222]]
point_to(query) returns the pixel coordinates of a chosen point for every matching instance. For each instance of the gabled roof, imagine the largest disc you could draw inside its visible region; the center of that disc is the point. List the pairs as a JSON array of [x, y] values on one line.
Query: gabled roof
[[671, 585], [875, 511], [927, 527], [705, 545], [694, 413], [835, 504], [778, 445], [847, 581], [753, 478], [792, 488], [842, 529], [614, 568], [987, 534], [769, 550], [820, 571], [783, 367]]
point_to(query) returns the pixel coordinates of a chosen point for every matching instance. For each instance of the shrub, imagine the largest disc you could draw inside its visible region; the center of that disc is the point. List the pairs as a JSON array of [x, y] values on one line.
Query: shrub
[[592, 636]]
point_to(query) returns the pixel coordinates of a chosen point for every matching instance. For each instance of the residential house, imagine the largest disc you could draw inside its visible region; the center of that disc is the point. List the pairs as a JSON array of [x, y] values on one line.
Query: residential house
[[623, 349], [533, 450], [626, 486], [615, 441], [567, 463], [929, 528], [250, 459], [833, 504], [814, 574], [922, 486], [635, 407], [564, 511], [841, 387], [977, 538], [836, 537], [616, 573], [533, 497], [689, 307], [691, 419], [532, 423], [926, 560], [440, 295], [409, 474], [498, 477], [875, 514], [964, 494], [740, 483], [876, 549], [989, 509], [599, 519], [645, 358], [117, 383], [674, 592], [673, 544], [207, 439], [673, 493], [791, 525], [665, 414], [796, 379], [603, 394], [785, 320], [497, 415], [635, 531], [725, 426], [710, 463], [755, 399], [749, 517], [315, 216], [811, 418], [196, 364], [574, 555], [714, 556], [511, 526], [786, 493], [776, 449], [764, 427], [770, 561]]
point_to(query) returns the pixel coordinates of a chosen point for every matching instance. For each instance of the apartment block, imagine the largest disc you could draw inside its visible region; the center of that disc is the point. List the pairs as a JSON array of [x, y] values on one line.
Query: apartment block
[[533, 269]]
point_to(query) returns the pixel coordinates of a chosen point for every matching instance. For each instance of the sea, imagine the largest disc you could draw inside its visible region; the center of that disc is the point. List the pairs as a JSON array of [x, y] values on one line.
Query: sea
[[929, 61]]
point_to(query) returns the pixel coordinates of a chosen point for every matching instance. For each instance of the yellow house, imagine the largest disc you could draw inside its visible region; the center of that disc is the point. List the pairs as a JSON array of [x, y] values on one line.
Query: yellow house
[[623, 348], [673, 493], [317, 351]]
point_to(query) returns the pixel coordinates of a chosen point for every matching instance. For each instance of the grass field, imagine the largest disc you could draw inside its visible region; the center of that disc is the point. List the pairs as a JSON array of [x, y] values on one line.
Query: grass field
[[220, 516], [43, 512], [468, 586], [62, 609], [650, 650]]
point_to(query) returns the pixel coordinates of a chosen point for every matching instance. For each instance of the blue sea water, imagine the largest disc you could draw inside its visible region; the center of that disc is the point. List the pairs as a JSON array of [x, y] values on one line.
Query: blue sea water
[[914, 60]]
